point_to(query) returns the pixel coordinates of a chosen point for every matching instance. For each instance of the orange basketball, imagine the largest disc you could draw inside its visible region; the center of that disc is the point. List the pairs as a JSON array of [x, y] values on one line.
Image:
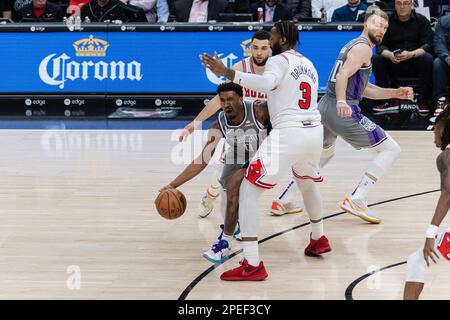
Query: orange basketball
[[171, 204]]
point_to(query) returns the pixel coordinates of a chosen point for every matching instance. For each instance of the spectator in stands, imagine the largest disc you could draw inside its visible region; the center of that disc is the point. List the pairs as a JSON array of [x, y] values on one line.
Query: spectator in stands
[[300, 8], [155, 10], [273, 11], [75, 6], [41, 11], [326, 6], [441, 69], [405, 52], [103, 10], [204, 10], [11, 8], [349, 12]]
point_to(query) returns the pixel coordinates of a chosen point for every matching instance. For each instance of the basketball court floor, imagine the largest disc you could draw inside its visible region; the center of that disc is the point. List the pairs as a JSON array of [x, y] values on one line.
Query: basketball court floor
[[77, 221]]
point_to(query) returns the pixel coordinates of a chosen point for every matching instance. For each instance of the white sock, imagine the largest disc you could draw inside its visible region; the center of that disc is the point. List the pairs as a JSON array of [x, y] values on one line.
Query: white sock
[[213, 192], [251, 252], [317, 229], [227, 238], [363, 187]]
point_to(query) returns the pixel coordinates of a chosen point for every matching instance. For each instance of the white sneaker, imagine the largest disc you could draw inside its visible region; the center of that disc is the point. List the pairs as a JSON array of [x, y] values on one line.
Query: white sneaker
[[359, 208], [279, 209], [206, 206]]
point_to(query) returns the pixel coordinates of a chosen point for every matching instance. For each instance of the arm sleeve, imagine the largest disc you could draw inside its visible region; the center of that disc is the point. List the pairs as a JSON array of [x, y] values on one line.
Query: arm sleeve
[[440, 46], [147, 5], [276, 67]]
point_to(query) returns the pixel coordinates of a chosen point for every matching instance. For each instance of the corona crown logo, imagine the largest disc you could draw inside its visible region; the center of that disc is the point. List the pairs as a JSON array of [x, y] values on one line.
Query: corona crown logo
[[91, 47], [246, 47]]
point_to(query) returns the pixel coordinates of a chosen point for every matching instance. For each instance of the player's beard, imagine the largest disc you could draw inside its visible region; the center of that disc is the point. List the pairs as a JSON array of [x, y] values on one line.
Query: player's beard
[[260, 64], [276, 49], [374, 39]]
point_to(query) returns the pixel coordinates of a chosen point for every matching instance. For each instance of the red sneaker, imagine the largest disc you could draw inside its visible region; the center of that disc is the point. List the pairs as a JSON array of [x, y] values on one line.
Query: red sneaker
[[245, 272], [317, 247]]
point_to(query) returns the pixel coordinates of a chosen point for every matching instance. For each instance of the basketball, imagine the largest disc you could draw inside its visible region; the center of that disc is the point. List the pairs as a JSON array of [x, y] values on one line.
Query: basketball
[[170, 204]]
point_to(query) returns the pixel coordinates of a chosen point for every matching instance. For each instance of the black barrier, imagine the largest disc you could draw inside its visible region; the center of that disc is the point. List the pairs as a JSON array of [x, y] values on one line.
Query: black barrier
[[168, 27], [52, 106]]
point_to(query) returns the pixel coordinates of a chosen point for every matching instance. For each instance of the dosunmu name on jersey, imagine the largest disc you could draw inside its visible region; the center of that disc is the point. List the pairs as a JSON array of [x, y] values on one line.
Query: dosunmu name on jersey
[[303, 70]]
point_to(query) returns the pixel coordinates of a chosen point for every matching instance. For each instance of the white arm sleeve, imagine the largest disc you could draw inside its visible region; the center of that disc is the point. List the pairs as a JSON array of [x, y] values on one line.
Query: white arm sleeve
[[276, 67]]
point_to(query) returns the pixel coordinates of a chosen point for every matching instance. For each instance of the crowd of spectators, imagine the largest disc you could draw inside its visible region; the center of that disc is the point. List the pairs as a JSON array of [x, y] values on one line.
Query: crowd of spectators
[[162, 11]]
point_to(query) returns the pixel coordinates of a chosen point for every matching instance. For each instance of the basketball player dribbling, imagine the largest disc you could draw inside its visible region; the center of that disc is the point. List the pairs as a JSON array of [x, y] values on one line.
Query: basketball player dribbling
[[294, 144], [436, 243], [243, 125], [341, 115], [255, 64]]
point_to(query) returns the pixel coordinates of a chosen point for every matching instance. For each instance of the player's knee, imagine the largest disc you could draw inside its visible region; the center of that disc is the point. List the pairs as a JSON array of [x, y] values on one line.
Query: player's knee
[[390, 148], [415, 267], [304, 184]]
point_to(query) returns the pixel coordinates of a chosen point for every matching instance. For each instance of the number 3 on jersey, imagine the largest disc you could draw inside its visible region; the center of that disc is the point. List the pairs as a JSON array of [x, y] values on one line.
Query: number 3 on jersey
[[305, 102]]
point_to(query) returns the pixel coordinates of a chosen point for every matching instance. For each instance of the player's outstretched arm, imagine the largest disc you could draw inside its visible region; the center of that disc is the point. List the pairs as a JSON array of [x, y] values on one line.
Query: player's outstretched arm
[[199, 163], [443, 205], [276, 67], [377, 93], [208, 111]]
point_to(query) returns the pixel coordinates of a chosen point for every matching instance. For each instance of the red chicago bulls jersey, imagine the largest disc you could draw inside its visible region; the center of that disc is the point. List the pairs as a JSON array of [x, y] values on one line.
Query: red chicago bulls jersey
[[443, 244], [248, 66]]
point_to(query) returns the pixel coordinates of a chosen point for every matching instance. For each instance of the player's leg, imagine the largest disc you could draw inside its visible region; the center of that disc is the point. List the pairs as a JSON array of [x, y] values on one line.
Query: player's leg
[[415, 277], [387, 152], [213, 190], [306, 173], [211, 194], [269, 163], [220, 249], [362, 133], [232, 208], [286, 202]]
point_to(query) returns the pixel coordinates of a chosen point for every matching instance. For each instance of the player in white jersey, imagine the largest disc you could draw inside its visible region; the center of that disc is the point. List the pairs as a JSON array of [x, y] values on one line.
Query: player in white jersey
[[255, 64], [435, 242], [293, 146]]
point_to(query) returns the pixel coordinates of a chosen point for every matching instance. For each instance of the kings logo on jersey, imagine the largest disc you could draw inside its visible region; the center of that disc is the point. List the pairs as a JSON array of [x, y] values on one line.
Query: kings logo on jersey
[[55, 69]]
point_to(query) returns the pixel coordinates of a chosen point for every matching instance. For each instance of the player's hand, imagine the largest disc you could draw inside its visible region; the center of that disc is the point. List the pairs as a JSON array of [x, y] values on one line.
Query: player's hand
[[405, 93], [168, 187], [428, 251], [186, 132], [214, 64], [343, 110]]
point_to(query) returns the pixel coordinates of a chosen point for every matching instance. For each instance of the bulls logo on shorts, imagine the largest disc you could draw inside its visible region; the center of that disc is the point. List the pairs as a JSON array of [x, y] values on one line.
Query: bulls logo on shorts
[[255, 173], [444, 245]]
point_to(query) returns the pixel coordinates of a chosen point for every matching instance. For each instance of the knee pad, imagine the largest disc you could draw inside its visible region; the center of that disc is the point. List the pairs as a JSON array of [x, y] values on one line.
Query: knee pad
[[387, 153], [416, 267], [327, 154]]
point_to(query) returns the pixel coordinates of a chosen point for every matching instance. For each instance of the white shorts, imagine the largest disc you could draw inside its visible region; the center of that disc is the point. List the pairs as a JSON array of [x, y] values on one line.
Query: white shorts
[[293, 151], [416, 261]]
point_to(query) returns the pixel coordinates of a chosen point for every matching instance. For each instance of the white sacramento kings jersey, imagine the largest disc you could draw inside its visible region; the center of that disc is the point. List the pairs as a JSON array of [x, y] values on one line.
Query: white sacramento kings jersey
[[293, 102], [248, 66]]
